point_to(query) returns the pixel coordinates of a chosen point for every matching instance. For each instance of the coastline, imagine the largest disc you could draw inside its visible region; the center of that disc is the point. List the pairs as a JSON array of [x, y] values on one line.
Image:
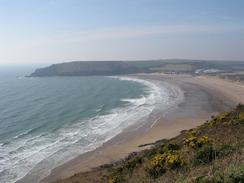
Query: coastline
[[202, 99]]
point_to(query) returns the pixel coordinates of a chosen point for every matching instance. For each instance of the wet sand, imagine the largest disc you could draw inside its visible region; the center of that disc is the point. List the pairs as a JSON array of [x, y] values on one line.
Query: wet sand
[[203, 97]]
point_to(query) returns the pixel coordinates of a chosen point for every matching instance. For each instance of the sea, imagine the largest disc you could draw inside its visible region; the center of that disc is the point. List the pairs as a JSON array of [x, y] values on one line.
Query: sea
[[45, 122]]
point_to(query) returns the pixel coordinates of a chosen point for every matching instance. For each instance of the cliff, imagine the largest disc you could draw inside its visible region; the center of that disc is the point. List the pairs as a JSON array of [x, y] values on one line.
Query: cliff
[[88, 68]]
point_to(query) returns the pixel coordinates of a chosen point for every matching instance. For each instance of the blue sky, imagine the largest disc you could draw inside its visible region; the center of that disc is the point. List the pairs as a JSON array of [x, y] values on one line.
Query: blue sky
[[50, 31]]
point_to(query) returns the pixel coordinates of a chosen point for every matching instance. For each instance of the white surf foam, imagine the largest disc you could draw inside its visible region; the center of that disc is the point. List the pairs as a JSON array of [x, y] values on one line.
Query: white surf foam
[[39, 154]]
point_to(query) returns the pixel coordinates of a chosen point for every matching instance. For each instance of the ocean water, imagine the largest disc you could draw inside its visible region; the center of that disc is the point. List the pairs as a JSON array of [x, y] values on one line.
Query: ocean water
[[45, 122]]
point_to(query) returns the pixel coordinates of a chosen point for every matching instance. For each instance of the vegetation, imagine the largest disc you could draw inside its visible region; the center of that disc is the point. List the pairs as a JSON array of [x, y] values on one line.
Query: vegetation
[[210, 153], [178, 66]]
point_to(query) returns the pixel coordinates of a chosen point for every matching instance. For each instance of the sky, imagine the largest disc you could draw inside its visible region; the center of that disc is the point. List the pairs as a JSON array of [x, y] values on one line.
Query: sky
[[52, 31]]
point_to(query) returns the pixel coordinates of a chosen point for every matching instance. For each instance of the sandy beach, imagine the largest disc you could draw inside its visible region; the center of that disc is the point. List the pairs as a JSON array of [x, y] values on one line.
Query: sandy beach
[[203, 97]]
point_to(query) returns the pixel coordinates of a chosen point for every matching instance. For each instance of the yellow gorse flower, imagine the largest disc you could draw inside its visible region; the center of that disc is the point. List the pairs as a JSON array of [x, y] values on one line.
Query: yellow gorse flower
[[195, 142]]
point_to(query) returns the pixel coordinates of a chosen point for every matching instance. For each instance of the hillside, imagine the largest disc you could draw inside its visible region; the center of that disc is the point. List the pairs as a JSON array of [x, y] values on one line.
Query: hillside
[[210, 153], [86, 69], [105, 68]]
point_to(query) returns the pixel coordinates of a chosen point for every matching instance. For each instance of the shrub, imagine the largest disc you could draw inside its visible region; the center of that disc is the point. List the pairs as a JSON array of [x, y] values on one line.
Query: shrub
[[157, 166], [205, 154], [193, 132], [149, 153], [218, 119], [116, 176], [171, 147], [115, 179], [131, 164], [169, 160], [131, 155], [174, 161], [204, 140], [195, 142], [161, 162], [158, 161], [241, 117]]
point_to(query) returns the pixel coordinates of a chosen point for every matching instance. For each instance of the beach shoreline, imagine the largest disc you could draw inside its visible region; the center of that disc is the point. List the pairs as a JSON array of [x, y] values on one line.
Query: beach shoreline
[[202, 98], [158, 95]]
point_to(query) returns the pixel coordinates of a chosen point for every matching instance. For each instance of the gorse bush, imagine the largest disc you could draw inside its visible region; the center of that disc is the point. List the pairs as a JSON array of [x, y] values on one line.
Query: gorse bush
[[116, 176], [167, 160], [195, 142], [115, 179], [170, 159], [204, 140], [241, 117], [158, 161], [229, 118], [174, 161], [222, 117], [193, 132], [156, 167], [191, 142]]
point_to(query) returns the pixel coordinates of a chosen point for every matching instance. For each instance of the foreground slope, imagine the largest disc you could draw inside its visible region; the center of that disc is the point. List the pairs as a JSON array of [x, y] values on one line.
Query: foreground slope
[[212, 152]]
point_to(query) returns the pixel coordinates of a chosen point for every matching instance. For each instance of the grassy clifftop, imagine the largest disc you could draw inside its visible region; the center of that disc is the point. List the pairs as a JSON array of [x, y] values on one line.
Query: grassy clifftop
[[105, 68], [210, 153]]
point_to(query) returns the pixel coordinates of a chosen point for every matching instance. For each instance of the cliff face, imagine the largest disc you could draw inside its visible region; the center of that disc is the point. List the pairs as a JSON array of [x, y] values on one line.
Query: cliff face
[[88, 68]]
